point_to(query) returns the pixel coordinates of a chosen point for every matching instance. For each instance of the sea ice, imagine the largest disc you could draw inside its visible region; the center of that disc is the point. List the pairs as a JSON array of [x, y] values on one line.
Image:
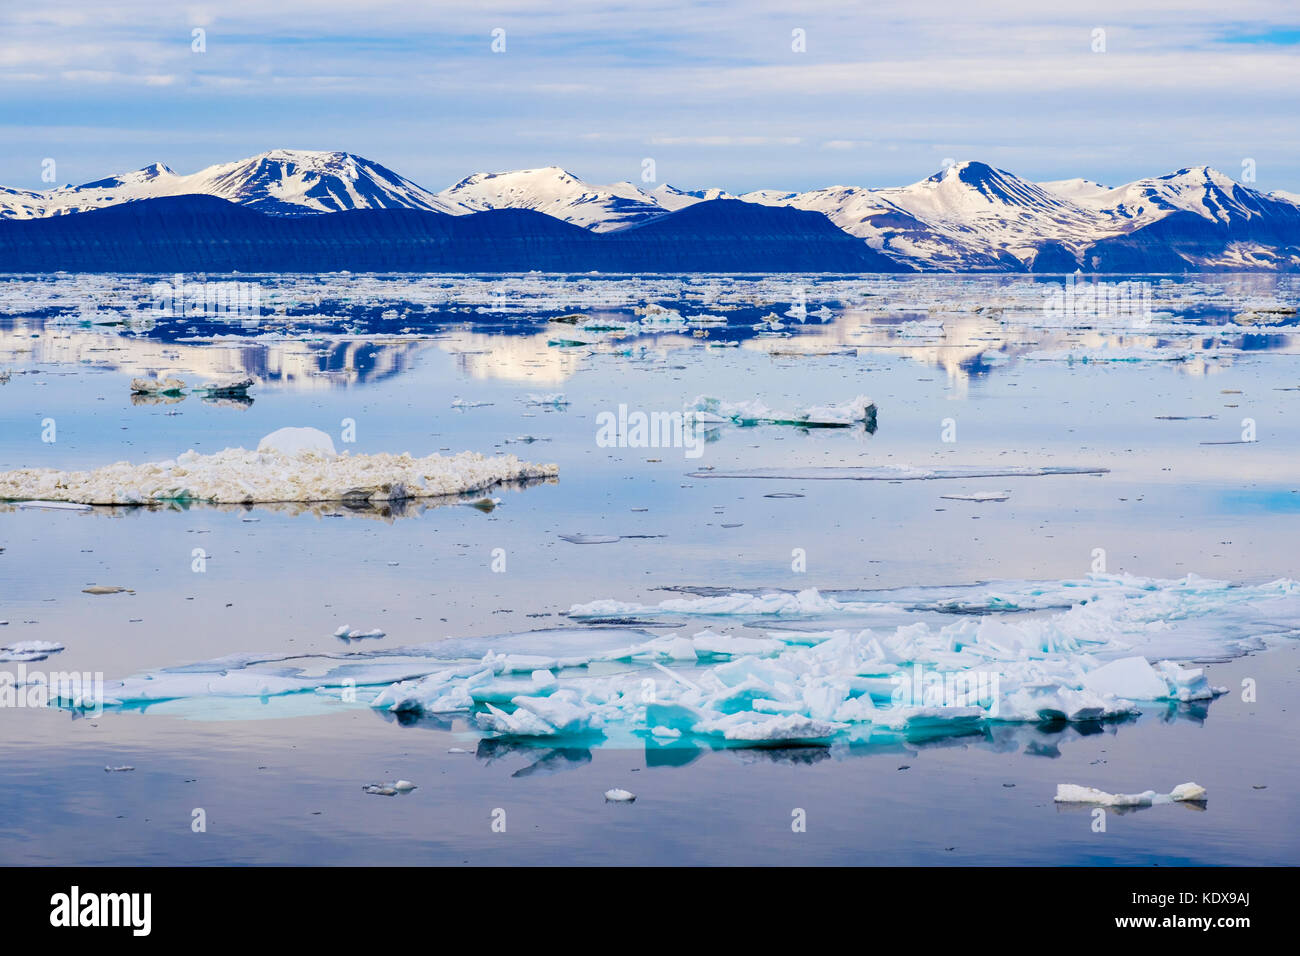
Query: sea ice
[[706, 409], [1184, 792], [916, 663], [347, 633], [290, 465], [157, 386], [28, 651]]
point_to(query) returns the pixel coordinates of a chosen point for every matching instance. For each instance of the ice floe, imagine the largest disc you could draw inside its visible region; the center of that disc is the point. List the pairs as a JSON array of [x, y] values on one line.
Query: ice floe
[[347, 633], [979, 496], [1183, 793], [807, 668], [389, 789], [52, 506], [707, 409], [28, 651], [157, 386], [290, 465]]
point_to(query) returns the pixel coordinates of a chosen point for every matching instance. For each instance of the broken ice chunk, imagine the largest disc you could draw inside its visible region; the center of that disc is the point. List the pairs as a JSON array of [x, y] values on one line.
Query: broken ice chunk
[[753, 726], [389, 789], [1130, 677], [979, 496], [28, 651], [619, 796], [1183, 793], [1134, 678], [1187, 684], [347, 633], [226, 388], [591, 538], [156, 386], [706, 409]]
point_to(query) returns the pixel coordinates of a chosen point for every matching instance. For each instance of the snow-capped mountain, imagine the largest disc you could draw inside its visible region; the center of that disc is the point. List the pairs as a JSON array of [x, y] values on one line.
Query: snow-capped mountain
[[974, 216], [1200, 190], [280, 182], [671, 198], [969, 216], [559, 193]]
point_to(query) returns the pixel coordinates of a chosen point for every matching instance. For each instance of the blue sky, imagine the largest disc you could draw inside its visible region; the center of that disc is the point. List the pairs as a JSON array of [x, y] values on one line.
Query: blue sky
[[714, 92]]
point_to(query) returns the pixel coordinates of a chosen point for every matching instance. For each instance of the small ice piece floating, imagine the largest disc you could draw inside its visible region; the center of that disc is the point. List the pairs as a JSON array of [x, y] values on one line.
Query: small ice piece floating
[[356, 634], [122, 769], [157, 386], [913, 663], [619, 796], [53, 506], [228, 388], [175, 387], [900, 472], [1183, 793], [979, 496], [706, 409], [591, 538], [290, 465], [26, 652], [389, 789], [550, 398]]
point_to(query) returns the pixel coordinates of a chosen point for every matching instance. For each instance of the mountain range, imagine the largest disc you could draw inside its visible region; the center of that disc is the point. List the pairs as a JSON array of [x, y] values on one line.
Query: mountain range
[[968, 217]]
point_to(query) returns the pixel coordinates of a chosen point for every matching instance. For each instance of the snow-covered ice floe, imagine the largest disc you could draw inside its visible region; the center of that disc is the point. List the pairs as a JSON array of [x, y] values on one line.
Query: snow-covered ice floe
[[919, 663], [28, 651], [1183, 793], [707, 409], [291, 464]]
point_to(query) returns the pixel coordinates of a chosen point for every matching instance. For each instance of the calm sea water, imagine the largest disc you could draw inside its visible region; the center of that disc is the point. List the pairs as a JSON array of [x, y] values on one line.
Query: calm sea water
[[1162, 404]]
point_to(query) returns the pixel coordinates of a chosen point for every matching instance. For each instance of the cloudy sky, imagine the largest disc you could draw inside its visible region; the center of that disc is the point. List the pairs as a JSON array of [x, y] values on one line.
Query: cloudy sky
[[715, 92]]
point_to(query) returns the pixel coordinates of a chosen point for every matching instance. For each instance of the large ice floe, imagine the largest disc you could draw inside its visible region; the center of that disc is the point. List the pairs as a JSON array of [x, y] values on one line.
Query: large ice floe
[[289, 465], [764, 668]]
